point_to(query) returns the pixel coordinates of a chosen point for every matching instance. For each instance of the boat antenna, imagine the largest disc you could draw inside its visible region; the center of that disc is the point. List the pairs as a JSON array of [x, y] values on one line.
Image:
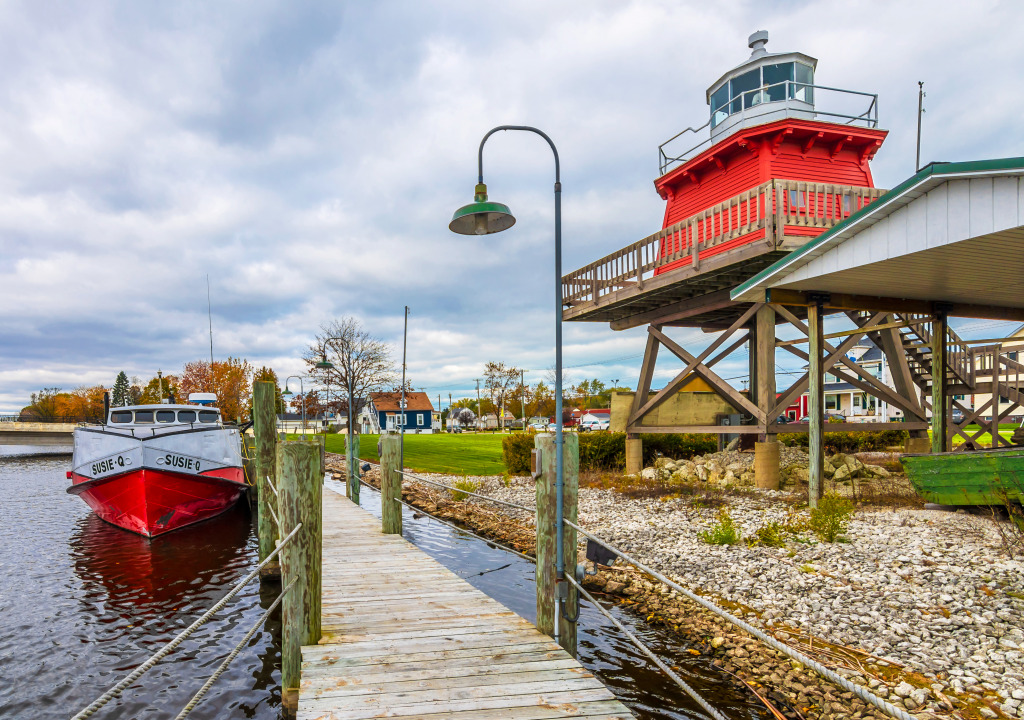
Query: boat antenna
[[209, 314]]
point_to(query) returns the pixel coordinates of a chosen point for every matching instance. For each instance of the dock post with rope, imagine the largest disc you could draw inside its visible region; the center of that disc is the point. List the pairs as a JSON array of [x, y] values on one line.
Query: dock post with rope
[[299, 500], [555, 618], [264, 415], [391, 484]]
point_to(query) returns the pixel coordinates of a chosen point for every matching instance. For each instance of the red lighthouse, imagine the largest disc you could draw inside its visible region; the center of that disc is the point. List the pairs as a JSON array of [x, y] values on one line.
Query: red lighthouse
[[776, 144]]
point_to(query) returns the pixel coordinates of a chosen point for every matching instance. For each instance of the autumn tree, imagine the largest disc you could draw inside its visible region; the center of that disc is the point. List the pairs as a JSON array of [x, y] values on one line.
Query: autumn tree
[[265, 374], [229, 379], [44, 405], [158, 388], [122, 393], [542, 400], [499, 380]]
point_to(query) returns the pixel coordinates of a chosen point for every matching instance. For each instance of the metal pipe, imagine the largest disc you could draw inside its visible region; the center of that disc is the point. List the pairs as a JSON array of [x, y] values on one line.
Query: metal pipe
[[302, 392], [559, 475]]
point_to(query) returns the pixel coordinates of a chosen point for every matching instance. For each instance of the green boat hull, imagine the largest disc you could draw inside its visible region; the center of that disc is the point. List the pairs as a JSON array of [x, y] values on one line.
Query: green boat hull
[[985, 477]]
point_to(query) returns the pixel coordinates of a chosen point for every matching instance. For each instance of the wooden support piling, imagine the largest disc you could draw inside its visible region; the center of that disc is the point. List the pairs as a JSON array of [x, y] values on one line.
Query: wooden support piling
[[391, 484], [264, 406], [352, 461], [300, 487], [547, 585], [939, 382], [634, 454], [815, 404]]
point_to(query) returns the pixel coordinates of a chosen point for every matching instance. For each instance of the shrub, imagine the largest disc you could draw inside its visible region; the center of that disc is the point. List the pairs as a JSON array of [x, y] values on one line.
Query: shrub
[[830, 519], [465, 484], [851, 441], [724, 532], [607, 450]]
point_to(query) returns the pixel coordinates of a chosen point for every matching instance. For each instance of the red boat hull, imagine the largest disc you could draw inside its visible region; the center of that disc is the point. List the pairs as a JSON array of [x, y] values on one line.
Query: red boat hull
[[153, 502]]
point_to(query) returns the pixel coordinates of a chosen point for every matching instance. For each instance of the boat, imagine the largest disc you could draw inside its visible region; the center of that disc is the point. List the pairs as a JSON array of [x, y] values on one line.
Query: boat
[[981, 477], [151, 469]]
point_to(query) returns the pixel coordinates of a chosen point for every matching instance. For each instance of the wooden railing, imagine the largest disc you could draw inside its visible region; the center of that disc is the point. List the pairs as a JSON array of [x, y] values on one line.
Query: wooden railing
[[770, 207]]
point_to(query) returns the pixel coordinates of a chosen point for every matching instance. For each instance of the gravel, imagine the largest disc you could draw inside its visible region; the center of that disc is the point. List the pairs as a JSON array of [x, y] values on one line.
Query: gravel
[[931, 590]]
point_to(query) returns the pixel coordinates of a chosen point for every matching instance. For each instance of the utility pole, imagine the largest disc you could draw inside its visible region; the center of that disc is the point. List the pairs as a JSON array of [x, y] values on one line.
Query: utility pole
[[449, 411], [920, 112], [522, 393], [404, 416], [479, 408]]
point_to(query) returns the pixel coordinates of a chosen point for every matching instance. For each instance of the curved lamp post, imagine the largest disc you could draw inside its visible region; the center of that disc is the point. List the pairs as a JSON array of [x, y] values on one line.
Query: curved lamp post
[[288, 393], [482, 217]]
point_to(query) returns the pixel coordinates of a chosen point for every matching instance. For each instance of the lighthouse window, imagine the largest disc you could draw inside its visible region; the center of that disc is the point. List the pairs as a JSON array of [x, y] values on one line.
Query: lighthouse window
[[776, 80], [720, 105], [802, 89], [740, 87]]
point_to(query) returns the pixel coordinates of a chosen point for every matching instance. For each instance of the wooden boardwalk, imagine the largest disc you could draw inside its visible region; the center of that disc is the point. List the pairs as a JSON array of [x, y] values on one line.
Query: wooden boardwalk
[[404, 637]]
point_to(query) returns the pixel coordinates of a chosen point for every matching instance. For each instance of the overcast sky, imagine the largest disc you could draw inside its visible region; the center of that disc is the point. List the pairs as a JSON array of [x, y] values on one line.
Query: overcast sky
[[308, 157]]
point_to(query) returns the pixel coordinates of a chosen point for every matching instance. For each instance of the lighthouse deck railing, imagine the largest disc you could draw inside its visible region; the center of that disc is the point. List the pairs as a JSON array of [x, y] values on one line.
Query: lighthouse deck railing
[[775, 102], [770, 214]]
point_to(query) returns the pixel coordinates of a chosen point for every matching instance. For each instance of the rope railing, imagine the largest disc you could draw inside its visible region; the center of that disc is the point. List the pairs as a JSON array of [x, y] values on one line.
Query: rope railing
[[649, 653], [532, 511], [138, 672], [858, 690], [190, 706]]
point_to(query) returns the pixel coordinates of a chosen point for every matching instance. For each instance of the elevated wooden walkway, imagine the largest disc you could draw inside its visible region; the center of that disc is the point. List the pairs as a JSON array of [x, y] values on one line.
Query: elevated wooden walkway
[[405, 637]]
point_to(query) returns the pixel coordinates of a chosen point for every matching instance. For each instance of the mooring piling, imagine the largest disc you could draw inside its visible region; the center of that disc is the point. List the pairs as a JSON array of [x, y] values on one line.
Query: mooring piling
[[264, 415], [299, 501], [548, 587], [352, 462], [391, 484]]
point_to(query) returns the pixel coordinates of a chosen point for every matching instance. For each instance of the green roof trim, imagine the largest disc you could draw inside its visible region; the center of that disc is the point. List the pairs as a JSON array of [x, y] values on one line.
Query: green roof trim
[[936, 169]]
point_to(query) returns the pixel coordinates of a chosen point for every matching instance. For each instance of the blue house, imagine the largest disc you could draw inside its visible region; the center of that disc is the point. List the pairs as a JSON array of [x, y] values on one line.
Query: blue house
[[384, 408]]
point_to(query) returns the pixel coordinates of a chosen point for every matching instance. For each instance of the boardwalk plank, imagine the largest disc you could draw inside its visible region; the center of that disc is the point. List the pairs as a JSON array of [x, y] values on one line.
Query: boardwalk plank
[[404, 637]]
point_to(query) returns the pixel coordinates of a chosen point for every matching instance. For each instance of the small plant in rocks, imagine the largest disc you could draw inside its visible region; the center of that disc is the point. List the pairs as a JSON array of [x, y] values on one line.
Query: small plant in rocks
[[723, 532], [832, 516], [465, 485], [771, 534]]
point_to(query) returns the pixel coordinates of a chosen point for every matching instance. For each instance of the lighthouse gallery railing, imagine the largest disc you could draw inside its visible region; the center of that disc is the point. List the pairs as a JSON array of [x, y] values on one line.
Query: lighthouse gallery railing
[[768, 210]]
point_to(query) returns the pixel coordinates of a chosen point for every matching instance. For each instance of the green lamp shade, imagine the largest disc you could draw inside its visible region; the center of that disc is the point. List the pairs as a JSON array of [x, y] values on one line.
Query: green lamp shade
[[481, 218], [324, 365], [286, 393]]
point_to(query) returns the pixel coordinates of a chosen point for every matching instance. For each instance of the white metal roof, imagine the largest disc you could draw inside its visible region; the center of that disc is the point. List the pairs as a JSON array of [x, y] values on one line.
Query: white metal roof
[[954, 233]]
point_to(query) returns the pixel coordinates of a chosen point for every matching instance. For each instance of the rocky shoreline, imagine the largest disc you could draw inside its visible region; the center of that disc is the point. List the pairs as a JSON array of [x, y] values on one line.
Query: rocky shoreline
[[923, 606]]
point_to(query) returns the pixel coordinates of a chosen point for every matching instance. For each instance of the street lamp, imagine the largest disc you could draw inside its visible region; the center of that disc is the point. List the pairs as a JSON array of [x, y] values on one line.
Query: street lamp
[[288, 393], [482, 217], [353, 462]]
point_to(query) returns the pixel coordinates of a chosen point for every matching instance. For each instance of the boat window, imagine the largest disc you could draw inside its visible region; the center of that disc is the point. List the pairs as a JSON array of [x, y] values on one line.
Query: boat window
[[776, 80], [121, 416], [208, 416], [720, 105], [187, 416], [143, 416], [165, 416], [742, 84], [802, 89]]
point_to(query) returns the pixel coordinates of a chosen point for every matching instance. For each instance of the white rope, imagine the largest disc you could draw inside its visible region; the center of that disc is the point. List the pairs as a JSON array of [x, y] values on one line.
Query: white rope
[[182, 636], [860, 691], [488, 498], [231, 656], [647, 651]]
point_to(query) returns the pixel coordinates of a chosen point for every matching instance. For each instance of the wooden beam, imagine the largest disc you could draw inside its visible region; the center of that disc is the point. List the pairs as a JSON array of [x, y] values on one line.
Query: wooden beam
[[842, 301], [816, 406], [719, 385], [892, 346], [690, 307], [851, 426], [844, 333], [764, 365], [939, 415], [679, 380], [643, 388], [710, 429]]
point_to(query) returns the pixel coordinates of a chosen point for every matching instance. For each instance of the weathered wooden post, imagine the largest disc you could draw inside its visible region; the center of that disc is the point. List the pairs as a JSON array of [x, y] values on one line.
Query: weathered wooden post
[[299, 488], [815, 404], [547, 586], [352, 460], [766, 452], [939, 382], [264, 415], [391, 484], [322, 442]]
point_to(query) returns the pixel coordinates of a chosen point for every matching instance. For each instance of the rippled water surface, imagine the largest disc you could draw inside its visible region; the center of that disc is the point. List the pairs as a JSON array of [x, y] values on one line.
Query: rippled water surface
[[82, 603]]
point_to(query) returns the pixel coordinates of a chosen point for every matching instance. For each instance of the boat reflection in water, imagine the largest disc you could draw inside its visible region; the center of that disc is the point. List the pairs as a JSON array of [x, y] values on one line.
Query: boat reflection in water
[[142, 592]]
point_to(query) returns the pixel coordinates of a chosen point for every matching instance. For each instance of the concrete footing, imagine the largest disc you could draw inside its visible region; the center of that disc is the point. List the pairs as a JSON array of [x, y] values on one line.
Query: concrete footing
[[766, 465], [634, 456]]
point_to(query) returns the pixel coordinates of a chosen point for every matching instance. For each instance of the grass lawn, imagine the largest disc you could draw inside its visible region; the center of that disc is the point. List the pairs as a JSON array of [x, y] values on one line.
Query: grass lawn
[[456, 454]]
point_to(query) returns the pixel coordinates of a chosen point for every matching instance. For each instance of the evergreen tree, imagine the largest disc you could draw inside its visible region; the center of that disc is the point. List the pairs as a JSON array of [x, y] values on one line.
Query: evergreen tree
[[122, 394]]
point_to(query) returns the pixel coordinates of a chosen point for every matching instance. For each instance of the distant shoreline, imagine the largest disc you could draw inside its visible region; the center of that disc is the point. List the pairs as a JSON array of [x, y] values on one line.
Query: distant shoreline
[[11, 452]]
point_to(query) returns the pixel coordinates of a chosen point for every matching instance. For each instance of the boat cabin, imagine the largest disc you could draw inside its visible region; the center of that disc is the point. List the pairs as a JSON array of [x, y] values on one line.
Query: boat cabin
[[162, 415]]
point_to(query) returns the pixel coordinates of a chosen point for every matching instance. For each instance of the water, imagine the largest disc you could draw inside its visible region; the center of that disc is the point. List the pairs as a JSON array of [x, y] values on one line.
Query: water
[[82, 603]]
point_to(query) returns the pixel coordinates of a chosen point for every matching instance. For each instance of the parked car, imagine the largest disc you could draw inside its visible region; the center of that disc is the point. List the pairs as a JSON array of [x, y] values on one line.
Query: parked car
[[782, 419], [594, 425], [957, 415]]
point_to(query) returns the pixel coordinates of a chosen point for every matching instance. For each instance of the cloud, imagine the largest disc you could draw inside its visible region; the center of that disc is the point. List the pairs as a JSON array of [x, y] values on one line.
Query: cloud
[[307, 157]]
